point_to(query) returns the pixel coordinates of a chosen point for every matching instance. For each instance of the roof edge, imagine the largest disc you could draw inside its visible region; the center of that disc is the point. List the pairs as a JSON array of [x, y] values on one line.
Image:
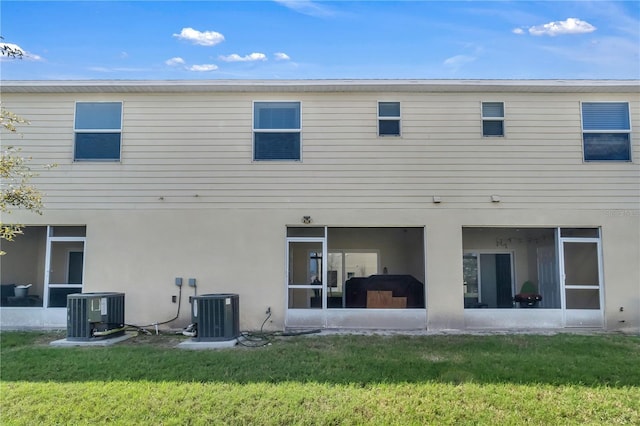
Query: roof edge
[[338, 85]]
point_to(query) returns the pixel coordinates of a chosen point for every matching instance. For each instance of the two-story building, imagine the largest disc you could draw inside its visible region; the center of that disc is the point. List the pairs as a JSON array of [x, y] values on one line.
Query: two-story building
[[402, 204]]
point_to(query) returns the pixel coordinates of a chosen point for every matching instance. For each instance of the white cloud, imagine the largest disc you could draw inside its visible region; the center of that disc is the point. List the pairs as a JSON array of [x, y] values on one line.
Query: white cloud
[[174, 61], [307, 7], [280, 56], [568, 26], [459, 60], [234, 57], [203, 38], [25, 54], [518, 31], [203, 67], [11, 47]]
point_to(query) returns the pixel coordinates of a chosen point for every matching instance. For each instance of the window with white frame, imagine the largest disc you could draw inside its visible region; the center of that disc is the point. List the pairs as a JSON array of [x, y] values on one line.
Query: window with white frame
[[276, 131], [388, 118], [492, 119], [98, 129], [606, 131]]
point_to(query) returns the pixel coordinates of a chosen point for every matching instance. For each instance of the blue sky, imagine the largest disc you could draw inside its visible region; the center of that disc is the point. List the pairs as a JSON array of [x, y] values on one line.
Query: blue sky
[[321, 39]]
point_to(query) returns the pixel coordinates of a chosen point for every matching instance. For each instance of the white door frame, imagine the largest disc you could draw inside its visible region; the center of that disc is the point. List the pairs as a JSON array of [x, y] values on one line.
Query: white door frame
[[595, 320], [314, 312], [47, 262]]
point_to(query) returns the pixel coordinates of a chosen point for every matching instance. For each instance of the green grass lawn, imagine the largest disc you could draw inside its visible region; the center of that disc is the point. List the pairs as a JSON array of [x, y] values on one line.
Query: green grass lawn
[[340, 379]]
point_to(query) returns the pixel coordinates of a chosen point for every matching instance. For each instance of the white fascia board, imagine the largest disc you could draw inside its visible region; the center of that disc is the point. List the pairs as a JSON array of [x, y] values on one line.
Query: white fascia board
[[169, 86]]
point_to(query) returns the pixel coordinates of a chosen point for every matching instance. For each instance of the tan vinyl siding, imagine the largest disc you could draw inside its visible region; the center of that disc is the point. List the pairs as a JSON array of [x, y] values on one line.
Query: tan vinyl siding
[[194, 150]]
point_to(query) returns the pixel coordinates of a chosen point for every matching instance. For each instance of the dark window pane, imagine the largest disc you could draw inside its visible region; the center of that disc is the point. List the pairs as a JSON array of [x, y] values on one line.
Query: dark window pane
[[97, 146], [68, 231], [580, 232], [58, 296], [276, 146], [389, 109], [99, 115], [607, 147], [305, 232], [389, 127], [276, 115], [76, 261], [492, 128]]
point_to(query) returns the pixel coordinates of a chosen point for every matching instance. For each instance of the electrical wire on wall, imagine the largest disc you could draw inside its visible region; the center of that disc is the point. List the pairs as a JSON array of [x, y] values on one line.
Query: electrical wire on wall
[[142, 328]]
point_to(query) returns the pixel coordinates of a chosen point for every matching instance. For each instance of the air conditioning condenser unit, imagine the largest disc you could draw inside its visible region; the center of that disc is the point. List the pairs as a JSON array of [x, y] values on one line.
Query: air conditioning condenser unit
[[95, 315], [216, 316]]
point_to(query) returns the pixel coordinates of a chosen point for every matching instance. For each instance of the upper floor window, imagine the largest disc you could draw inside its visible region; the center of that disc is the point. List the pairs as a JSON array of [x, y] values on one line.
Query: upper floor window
[[276, 131], [492, 119], [388, 118], [606, 131], [98, 127]]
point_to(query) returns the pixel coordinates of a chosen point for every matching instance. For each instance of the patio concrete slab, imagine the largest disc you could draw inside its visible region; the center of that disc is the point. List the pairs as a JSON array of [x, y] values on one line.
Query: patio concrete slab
[[220, 344], [96, 342]]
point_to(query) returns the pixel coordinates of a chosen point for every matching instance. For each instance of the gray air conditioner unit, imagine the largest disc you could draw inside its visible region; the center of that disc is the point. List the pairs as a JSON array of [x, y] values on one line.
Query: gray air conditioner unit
[[217, 317], [94, 315]]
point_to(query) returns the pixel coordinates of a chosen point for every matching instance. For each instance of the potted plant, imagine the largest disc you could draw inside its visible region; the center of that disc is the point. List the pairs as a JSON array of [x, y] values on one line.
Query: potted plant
[[528, 296]]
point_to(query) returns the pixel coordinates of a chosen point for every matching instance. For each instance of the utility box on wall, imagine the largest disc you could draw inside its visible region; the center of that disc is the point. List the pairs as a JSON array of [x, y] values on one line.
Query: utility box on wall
[[91, 315], [217, 317]]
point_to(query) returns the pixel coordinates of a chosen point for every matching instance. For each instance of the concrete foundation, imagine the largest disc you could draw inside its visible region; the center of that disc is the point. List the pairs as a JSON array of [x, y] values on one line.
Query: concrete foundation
[[221, 344], [97, 342]]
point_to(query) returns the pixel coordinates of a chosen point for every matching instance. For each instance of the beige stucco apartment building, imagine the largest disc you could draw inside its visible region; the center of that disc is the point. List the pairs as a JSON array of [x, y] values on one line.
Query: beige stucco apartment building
[[402, 204]]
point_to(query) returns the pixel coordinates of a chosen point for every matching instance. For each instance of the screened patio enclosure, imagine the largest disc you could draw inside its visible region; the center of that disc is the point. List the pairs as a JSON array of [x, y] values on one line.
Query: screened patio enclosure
[[532, 277], [355, 277], [49, 260]]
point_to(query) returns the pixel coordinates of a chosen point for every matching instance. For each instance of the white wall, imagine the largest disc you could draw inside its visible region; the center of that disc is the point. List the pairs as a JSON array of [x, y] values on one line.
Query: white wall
[[187, 201], [194, 151]]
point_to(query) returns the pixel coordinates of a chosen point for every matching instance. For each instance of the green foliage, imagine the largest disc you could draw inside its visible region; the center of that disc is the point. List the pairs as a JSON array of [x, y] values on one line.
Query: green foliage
[[15, 188], [345, 379], [9, 120], [16, 191]]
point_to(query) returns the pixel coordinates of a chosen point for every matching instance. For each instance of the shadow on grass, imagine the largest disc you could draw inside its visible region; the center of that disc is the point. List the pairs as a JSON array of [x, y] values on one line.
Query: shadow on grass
[[603, 360]]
